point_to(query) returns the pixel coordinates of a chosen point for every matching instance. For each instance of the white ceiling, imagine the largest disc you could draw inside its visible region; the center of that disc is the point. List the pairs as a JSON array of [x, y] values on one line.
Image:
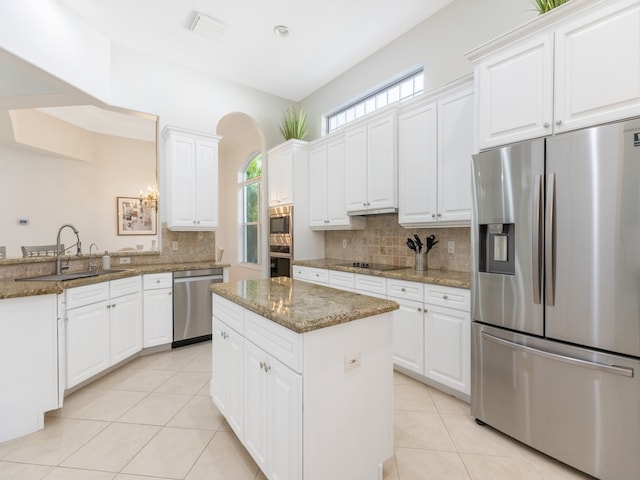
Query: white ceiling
[[326, 38]]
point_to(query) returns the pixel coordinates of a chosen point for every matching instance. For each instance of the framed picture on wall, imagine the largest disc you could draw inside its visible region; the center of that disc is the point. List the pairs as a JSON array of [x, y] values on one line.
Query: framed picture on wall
[[134, 218]]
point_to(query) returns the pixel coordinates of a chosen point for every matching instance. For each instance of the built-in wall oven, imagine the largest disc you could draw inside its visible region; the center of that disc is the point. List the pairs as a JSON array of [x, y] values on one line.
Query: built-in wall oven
[[280, 240]]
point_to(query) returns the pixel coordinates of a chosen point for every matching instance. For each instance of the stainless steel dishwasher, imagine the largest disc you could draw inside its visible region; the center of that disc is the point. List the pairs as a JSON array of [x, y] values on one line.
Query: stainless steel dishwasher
[[192, 305]]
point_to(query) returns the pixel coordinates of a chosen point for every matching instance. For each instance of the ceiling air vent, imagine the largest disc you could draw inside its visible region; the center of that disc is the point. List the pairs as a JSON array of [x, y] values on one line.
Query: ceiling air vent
[[208, 26]]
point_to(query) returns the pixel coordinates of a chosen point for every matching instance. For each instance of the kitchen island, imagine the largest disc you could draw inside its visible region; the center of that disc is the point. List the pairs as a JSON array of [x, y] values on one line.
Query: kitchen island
[[304, 376]]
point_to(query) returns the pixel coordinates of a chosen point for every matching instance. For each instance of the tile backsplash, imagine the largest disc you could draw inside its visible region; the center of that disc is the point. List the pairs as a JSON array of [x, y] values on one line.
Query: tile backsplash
[[192, 247], [384, 241]]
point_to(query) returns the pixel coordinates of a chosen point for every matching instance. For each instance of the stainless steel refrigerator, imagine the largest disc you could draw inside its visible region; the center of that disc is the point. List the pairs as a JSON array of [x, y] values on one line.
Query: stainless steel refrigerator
[[556, 296]]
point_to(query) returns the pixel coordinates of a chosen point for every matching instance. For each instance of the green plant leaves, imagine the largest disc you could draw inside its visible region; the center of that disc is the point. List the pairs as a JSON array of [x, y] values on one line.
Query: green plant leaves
[[294, 124], [543, 6]]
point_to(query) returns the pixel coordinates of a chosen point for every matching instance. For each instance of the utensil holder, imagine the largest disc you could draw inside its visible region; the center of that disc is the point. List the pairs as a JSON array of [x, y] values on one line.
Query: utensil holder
[[421, 261]]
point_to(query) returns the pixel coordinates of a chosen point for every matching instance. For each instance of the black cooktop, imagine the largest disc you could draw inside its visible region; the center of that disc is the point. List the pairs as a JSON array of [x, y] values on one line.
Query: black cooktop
[[371, 266]]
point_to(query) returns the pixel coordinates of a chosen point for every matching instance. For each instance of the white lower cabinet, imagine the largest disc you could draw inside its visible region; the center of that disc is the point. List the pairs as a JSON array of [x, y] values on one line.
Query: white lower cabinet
[[228, 361], [408, 335], [103, 326], [447, 347], [447, 337], [273, 408], [431, 332], [87, 342], [158, 309]]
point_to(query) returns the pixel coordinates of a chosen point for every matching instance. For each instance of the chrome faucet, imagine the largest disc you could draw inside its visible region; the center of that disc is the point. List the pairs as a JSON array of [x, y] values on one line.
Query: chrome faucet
[[92, 265], [58, 247]]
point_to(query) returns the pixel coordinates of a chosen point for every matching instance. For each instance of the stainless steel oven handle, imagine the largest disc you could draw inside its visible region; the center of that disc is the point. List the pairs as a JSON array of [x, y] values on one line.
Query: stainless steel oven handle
[[624, 371], [536, 241], [550, 244]]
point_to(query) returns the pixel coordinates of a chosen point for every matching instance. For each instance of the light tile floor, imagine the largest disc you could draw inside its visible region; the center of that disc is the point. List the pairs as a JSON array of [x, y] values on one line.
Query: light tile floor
[[153, 419]]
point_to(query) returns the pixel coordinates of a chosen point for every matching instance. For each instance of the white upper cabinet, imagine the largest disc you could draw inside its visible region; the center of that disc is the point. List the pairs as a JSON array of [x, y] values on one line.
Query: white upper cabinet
[[597, 66], [281, 175], [515, 92], [327, 187], [191, 160], [574, 67], [372, 165], [435, 144]]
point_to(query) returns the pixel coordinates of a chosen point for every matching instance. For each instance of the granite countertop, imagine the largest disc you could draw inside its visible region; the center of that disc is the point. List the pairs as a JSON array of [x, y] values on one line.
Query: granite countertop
[[301, 306], [436, 277], [13, 289]]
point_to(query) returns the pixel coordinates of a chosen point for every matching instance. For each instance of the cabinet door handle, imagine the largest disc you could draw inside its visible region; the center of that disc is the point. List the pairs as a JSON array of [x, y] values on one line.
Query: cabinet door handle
[[169, 293], [445, 297], [558, 122], [403, 289], [108, 306], [419, 309], [433, 215], [113, 305], [546, 125]]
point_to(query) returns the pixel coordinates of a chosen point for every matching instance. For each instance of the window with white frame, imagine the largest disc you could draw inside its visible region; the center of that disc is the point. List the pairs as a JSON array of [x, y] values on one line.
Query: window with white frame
[[398, 89], [249, 182]]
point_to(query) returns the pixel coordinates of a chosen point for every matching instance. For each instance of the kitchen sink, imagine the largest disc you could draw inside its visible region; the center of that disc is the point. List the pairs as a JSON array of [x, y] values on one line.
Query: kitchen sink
[[68, 276]]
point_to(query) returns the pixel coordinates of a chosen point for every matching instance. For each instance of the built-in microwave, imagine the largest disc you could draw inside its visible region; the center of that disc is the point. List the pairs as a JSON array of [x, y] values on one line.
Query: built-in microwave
[[280, 225]]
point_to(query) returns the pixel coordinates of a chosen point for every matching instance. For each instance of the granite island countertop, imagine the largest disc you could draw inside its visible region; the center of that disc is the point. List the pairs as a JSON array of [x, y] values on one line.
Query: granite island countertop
[[436, 277], [301, 306], [13, 289]]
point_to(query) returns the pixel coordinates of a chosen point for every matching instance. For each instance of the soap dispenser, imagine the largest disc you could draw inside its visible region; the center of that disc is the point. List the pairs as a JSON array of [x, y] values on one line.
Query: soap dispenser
[[106, 261]]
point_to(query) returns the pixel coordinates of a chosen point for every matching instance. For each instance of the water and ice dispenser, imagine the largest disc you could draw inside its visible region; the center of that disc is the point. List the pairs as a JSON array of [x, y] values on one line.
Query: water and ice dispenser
[[497, 248]]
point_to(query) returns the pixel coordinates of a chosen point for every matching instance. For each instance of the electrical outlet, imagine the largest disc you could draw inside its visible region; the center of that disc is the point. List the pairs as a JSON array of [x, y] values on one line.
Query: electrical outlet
[[124, 260], [351, 361], [174, 245], [451, 246], [344, 243]]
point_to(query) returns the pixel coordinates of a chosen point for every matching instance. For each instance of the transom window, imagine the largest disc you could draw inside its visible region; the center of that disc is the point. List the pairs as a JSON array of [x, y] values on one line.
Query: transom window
[[249, 182], [402, 88]]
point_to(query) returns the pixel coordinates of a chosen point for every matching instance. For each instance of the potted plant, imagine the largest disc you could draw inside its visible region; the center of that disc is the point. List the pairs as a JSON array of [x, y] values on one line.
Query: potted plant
[[294, 124], [543, 6]]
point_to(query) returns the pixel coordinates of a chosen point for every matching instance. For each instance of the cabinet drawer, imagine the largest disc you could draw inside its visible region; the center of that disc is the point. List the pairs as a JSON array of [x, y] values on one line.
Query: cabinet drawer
[[457, 298], [125, 286], [153, 281], [274, 339], [405, 290], [318, 275], [300, 273], [371, 284], [86, 295], [342, 280], [228, 312]]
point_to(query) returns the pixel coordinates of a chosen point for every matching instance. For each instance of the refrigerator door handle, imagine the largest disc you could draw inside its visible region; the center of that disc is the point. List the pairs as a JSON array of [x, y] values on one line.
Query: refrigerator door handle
[[624, 371], [536, 241], [550, 244]]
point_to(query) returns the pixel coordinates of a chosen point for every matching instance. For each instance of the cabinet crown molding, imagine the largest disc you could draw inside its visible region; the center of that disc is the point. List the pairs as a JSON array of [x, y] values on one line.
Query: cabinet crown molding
[[169, 129], [540, 24]]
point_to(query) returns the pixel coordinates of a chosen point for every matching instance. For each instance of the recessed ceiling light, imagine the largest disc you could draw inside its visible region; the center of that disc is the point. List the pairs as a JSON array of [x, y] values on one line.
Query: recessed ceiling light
[[281, 31]]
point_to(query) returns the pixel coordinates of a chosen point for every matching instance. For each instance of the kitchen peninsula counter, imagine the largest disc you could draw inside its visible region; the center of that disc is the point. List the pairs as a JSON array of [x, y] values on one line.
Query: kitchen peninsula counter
[[301, 306], [435, 277], [14, 289]]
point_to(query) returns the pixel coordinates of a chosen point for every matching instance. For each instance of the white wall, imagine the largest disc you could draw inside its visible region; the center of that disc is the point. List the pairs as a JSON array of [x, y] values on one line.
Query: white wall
[[50, 191], [47, 34], [241, 139], [438, 44]]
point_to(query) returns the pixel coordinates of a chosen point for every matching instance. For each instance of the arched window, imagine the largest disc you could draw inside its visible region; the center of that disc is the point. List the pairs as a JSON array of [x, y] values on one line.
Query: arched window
[[249, 181]]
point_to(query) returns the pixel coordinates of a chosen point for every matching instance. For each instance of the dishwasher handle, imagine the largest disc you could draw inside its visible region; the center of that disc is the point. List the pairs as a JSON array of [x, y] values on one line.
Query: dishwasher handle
[[212, 278]]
